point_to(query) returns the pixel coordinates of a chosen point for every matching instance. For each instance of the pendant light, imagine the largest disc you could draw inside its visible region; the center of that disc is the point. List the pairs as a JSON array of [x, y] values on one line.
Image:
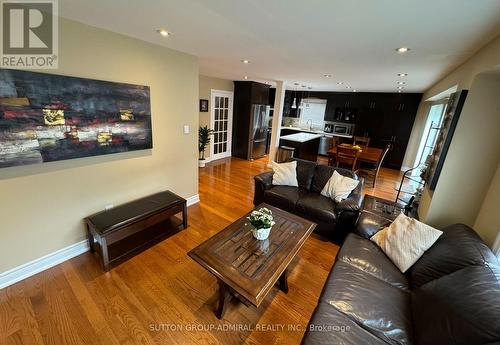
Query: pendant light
[[294, 103]]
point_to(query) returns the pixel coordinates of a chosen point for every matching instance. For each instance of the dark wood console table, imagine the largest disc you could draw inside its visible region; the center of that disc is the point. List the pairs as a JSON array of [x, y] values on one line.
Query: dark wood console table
[[129, 228]]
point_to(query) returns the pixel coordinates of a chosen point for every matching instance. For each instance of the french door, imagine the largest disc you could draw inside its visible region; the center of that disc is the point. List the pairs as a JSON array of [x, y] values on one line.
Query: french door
[[221, 121]]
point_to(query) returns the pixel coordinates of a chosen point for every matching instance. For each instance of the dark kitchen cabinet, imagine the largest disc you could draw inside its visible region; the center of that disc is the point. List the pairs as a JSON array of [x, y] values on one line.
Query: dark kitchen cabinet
[[387, 118], [339, 102], [272, 97]]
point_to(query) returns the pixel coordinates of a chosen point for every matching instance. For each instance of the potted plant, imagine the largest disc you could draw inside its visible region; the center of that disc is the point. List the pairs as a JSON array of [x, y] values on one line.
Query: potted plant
[[261, 222], [204, 134]]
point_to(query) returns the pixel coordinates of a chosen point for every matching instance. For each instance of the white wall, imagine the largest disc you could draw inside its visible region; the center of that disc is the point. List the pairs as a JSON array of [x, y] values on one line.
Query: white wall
[[42, 206]]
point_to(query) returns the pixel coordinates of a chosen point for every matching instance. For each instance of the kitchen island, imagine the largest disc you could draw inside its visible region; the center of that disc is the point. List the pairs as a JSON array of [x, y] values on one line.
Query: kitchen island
[[305, 144]]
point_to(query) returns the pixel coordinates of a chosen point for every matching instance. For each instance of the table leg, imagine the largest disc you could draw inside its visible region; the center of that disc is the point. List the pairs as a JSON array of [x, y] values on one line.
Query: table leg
[[184, 216], [224, 296], [91, 239], [283, 281]]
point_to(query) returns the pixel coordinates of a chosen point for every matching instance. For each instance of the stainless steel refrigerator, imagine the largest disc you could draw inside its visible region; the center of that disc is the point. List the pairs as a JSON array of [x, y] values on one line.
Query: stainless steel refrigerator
[[259, 122]]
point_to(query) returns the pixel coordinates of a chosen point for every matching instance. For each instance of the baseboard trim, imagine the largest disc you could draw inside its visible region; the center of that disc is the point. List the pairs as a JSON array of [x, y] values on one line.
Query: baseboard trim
[[193, 199], [31, 268], [41, 264]]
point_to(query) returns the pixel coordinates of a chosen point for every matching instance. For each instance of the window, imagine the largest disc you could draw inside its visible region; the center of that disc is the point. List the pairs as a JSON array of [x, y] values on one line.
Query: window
[[431, 131]]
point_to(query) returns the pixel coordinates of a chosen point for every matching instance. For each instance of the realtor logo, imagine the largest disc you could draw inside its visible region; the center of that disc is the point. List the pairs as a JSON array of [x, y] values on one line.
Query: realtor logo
[[29, 37]]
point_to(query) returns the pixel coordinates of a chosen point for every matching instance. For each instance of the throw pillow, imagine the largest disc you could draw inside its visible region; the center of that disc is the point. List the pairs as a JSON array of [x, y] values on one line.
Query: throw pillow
[[285, 174], [405, 241], [339, 187]]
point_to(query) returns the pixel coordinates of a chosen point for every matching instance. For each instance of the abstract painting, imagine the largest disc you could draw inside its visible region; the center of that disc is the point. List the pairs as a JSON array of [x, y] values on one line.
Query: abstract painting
[[45, 117]]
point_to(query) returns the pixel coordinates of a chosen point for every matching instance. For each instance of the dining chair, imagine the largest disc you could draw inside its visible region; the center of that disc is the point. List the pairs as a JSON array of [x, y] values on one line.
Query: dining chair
[[347, 156], [373, 171], [361, 141]]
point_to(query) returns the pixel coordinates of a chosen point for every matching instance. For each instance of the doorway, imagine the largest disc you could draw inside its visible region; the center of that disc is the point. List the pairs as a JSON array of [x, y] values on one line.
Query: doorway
[[221, 121]]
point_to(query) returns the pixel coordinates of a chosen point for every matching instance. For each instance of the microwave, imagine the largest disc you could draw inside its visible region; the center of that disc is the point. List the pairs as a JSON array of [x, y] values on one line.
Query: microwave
[[339, 128]]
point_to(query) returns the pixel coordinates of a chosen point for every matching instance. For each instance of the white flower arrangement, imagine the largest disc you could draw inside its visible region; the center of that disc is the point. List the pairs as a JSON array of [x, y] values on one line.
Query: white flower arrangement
[[261, 219]]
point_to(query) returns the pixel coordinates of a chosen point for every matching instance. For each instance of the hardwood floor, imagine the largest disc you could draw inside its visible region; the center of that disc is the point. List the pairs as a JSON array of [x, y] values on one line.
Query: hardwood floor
[[155, 297]]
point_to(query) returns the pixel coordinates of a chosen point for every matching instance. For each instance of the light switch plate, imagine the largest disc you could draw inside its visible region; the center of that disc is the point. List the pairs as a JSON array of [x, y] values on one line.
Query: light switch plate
[[186, 129]]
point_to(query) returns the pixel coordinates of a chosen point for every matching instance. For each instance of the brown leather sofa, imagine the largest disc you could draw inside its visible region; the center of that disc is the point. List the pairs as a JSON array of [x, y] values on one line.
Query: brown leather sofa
[[334, 219], [450, 296]]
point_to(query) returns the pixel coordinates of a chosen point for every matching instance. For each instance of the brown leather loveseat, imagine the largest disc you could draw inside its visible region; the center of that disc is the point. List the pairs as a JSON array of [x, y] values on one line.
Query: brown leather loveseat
[[334, 220], [451, 295]]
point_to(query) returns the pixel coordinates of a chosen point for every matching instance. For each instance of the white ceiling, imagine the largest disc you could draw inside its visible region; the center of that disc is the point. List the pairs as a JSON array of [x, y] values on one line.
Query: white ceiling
[[301, 40]]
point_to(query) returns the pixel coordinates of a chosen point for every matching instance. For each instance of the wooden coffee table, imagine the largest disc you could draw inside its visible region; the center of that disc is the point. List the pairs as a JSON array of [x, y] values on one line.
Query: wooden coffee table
[[248, 268]]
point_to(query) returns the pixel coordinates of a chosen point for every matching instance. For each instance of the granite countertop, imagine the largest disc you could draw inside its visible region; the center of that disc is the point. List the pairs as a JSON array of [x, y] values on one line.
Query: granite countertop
[[316, 131], [301, 137]]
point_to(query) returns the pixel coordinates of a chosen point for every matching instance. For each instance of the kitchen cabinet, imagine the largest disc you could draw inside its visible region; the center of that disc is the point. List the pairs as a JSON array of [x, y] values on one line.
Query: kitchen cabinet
[[384, 117], [272, 97], [338, 101], [387, 118]]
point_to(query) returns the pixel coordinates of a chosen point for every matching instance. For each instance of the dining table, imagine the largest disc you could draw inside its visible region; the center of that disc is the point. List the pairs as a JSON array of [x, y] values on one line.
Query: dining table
[[366, 153]]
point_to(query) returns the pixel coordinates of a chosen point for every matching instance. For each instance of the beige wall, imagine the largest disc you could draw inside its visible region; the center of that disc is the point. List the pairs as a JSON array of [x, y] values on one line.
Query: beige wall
[[488, 220], [206, 85], [42, 206], [485, 59], [472, 158]]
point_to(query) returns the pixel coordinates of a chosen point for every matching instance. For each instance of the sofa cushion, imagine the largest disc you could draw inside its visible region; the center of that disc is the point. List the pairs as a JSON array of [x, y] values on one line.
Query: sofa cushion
[[458, 247], [378, 307], [322, 174], [367, 256], [330, 326], [460, 308], [406, 240], [285, 174], [339, 187], [305, 172], [317, 207], [284, 197]]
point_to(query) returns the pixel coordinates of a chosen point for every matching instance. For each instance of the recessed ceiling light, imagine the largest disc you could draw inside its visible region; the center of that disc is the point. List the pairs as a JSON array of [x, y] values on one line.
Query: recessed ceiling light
[[296, 84], [163, 32], [304, 85], [400, 87], [245, 77], [327, 75], [310, 87], [340, 82], [402, 74], [403, 49], [347, 87], [401, 82], [400, 91], [245, 61], [354, 90]]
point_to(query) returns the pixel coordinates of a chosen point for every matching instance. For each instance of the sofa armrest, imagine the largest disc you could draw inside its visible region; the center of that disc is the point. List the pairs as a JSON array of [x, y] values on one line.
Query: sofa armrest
[[348, 211], [369, 224], [262, 182]]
